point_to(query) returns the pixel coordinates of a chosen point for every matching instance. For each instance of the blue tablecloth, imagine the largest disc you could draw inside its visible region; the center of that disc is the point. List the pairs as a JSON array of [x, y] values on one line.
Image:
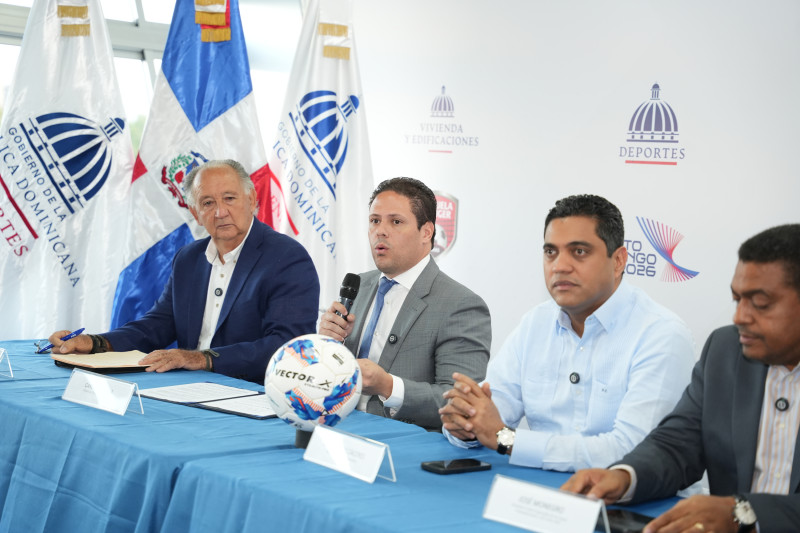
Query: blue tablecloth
[[67, 467]]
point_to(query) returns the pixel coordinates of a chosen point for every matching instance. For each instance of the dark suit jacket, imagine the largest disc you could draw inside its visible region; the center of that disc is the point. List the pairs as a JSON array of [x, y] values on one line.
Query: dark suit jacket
[[442, 328], [272, 297], [715, 427]]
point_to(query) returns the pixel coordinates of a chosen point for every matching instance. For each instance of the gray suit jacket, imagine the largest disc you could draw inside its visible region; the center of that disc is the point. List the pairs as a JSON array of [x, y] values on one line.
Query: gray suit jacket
[[715, 427], [442, 328]]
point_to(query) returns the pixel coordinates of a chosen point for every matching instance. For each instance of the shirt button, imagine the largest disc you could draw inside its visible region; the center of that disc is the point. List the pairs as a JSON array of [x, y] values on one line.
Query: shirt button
[[781, 425]]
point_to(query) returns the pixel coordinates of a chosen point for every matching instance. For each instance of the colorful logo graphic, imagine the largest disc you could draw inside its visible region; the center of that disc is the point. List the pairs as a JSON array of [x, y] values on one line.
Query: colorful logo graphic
[[50, 167], [663, 240], [446, 223], [441, 134], [319, 123], [653, 134], [172, 175]]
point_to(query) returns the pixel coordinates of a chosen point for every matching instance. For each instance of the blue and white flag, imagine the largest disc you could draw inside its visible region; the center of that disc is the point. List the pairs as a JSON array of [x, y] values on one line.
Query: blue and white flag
[[203, 109], [319, 162], [65, 165]]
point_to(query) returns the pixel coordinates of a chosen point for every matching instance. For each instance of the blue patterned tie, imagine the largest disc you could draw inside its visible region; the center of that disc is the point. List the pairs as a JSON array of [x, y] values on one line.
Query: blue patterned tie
[[366, 339]]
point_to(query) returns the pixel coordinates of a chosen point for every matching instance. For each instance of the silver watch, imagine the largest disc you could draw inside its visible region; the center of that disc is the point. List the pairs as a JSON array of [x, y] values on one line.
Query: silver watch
[[744, 515], [505, 440]]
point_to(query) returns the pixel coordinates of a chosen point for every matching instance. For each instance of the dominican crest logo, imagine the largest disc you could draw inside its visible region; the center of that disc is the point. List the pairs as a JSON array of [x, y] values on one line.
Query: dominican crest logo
[[172, 174], [652, 137], [51, 166], [446, 223], [440, 132], [646, 260]]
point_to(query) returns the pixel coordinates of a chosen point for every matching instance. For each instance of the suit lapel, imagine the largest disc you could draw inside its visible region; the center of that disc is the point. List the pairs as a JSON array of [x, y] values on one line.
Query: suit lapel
[[366, 293], [201, 272], [748, 396], [794, 481], [413, 306], [251, 251]]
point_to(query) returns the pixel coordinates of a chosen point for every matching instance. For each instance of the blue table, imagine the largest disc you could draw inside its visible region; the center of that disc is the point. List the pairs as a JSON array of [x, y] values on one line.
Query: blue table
[[67, 467]]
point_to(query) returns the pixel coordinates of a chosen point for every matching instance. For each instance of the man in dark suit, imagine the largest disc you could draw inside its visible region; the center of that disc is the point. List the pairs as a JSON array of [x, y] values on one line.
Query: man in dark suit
[[232, 298], [738, 418], [426, 326]]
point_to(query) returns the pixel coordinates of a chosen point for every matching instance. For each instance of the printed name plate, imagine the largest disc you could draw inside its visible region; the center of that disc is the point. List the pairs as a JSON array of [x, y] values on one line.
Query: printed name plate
[[538, 508], [101, 392], [349, 454]]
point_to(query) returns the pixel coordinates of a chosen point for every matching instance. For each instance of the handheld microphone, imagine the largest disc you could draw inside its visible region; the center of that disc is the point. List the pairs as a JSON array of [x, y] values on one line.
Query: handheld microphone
[[348, 292]]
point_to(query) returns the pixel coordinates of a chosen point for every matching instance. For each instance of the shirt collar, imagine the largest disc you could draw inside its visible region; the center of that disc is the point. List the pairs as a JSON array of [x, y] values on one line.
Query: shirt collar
[[607, 313], [409, 277], [212, 253]]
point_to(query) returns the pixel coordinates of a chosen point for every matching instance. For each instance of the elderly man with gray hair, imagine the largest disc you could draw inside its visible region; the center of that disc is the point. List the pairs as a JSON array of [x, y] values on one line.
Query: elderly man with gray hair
[[232, 299]]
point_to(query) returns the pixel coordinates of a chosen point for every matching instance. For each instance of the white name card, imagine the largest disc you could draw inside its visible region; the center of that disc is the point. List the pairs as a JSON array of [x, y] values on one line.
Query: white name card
[[349, 454], [4, 357], [101, 392], [538, 508]]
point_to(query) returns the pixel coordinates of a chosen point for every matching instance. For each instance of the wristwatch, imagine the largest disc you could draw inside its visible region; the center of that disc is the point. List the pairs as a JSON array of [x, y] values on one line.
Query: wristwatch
[[505, 440], [743, 515]]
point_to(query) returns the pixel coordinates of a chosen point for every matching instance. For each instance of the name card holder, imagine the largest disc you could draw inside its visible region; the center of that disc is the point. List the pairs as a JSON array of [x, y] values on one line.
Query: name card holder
[[101, 392], [543, 509], [5, 357], [354, 455]]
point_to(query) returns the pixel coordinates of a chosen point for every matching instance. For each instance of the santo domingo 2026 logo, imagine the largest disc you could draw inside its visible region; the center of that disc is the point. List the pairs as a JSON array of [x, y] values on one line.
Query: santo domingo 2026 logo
[[663, 240], [652, 137]]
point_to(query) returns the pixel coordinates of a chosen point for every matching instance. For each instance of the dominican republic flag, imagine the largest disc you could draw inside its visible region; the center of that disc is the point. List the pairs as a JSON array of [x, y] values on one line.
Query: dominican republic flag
[[319, 162], [203, 109], [65, 164]]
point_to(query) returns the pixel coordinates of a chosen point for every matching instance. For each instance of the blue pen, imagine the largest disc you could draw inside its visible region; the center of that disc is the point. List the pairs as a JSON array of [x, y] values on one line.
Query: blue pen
[[64, 338]]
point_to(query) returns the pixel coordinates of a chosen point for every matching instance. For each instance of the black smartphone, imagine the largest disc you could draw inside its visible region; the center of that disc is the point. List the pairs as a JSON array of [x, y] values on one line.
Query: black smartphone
[[624, 521], [455, 466]]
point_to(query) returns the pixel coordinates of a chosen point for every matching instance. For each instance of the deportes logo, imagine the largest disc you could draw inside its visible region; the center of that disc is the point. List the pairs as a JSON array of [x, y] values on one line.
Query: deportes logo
[[662, 240], [446, 223], [52, 166], [172, 175], [440, 133], [652, 137]]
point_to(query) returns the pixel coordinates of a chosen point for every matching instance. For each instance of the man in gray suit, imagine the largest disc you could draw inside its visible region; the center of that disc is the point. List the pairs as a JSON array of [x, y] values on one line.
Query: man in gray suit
[[421, 326], [738, 418]]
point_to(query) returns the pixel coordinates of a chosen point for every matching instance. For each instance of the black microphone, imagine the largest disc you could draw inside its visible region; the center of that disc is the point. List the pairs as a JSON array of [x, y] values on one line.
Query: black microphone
[[348, 292]]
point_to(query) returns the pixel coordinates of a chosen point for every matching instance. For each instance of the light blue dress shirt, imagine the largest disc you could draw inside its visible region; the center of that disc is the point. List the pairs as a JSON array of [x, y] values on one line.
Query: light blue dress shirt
[[634, 360]]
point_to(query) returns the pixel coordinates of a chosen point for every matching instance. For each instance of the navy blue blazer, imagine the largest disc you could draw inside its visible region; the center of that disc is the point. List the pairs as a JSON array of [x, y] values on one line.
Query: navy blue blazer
[[272, 297]]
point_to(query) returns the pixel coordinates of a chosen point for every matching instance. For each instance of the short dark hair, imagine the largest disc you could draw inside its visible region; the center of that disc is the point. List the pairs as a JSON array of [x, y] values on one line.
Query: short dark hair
[[422, 199], [610, 227], [781, 243]]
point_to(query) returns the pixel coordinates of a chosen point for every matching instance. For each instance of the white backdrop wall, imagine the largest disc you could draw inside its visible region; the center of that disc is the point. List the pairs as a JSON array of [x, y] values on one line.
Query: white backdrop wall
[[543, 93]]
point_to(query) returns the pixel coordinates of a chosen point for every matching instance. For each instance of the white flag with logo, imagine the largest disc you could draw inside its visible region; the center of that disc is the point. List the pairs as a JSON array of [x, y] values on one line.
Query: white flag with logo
[[320, 164], [65, 165]]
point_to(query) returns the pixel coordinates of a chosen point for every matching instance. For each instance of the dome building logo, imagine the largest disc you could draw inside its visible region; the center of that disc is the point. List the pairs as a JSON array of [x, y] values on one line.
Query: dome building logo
[[439, 132], [320, 125], [53, 165], [653, 137], [662, 240]]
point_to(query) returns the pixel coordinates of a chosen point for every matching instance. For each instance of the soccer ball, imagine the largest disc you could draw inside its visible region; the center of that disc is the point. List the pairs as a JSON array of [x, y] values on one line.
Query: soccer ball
[[311, 380]]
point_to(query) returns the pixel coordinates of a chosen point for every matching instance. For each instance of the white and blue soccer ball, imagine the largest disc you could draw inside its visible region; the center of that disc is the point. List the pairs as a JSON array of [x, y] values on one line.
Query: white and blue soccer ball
[[312, 380]]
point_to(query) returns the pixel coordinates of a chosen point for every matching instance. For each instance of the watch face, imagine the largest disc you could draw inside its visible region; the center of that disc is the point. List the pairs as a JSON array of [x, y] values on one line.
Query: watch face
[[505, 437], [744, 513]]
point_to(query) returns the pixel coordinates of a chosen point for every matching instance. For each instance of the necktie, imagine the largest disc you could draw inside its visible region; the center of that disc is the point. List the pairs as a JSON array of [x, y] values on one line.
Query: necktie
[[369, 331]]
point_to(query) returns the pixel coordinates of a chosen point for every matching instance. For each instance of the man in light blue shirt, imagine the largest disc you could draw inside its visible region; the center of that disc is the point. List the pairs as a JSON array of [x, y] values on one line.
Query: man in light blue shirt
[[592, 371]]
